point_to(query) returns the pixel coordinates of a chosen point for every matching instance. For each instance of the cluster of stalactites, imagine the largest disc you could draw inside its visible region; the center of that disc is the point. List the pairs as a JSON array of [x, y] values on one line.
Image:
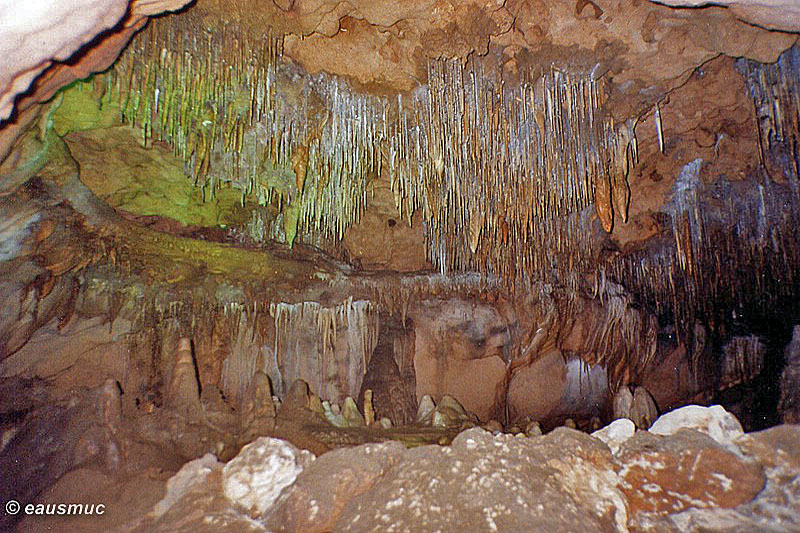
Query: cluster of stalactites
[[742, 360], [625, 339], [236, 114], [775, 90], [505, 171], [493, 167], [757, 229], [334, 359]]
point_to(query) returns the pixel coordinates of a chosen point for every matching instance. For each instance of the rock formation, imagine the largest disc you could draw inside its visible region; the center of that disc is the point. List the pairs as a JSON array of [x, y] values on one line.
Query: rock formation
[[485, 482], [248, 248], [790, 381]]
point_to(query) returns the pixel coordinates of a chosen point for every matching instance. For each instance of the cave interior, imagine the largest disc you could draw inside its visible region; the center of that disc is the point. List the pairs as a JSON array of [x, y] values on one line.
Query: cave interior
[[337, 224]]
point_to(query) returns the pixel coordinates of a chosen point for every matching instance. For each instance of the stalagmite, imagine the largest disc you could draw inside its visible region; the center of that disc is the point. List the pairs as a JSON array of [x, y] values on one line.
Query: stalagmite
[[298, 395], [315, 404], [643, 410], [183, 393], [351, 414], [425, 410], [623, 403], [258, 410], [369, 410], [334, 418]]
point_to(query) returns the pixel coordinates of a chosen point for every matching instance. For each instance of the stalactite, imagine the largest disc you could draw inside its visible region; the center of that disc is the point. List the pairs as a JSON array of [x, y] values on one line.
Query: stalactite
[[516, 164], [742, 360], [334, 360]]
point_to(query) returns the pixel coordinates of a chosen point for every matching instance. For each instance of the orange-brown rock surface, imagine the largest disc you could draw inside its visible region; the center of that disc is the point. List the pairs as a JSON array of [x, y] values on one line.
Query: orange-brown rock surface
[[685, 470], [781, 15], [459, 350]]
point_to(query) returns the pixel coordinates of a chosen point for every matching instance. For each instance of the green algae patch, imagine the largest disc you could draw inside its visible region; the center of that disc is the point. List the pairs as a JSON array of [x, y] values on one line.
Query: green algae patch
[[82, 108], [172, 259], [147, 180]]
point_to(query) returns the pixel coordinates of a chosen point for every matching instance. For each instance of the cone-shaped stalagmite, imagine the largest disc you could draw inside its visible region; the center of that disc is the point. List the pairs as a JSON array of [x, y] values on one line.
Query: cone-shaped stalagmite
[[258, 410], [643, 410], [623, 403], [351, 414], [183, 392]]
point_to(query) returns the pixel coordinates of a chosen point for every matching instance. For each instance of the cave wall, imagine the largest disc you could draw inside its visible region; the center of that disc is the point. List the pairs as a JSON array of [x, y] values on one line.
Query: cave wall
[[696, 177]]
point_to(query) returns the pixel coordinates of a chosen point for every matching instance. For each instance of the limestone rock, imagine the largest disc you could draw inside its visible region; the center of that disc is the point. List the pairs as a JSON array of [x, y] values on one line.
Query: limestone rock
[[773, 447], [254, 478], [533, 429], [714, 421], [325, 488], [781, 15], [536, 390], [81, 355], [57, 28], [192, 475], [669, 474], [493, 483], [493, 426], [775, 509], [203, 511], [616, 433]]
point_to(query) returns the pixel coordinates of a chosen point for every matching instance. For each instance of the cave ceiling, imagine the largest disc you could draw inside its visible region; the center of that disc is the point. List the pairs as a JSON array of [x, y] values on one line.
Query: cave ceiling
[[300, 150]]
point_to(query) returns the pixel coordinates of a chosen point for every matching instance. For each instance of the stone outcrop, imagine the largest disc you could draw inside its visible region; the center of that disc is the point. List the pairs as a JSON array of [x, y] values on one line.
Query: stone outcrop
[[668, 475], [255, 478], [614, 480]]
